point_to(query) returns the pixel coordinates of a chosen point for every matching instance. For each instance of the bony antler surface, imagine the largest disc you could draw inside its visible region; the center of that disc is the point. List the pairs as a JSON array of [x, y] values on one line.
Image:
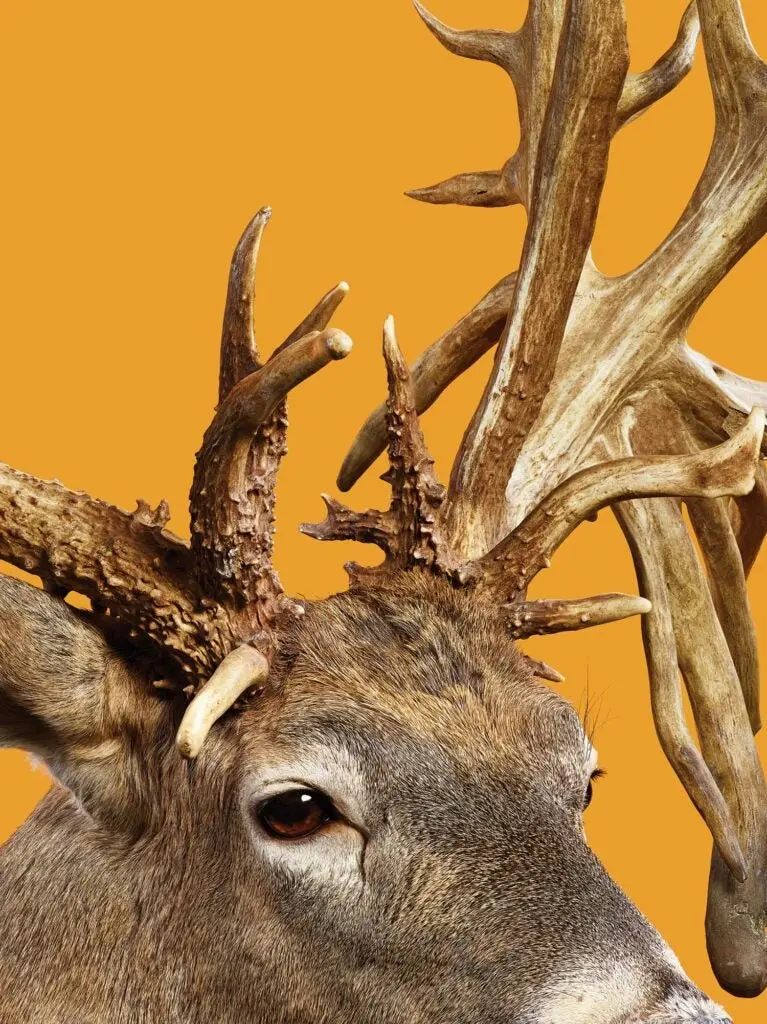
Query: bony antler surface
[[191, 605], [589, 367]]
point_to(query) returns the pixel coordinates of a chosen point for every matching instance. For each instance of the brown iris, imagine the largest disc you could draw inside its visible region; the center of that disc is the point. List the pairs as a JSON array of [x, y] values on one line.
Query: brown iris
[[295, 814]]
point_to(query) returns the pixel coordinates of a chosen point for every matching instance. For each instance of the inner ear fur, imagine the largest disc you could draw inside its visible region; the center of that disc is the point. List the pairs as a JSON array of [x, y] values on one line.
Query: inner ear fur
[[73, 701]]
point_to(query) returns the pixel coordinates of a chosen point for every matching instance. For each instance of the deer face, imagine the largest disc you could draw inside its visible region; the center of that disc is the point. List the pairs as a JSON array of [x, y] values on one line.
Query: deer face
[[413, 801], [392, 830]]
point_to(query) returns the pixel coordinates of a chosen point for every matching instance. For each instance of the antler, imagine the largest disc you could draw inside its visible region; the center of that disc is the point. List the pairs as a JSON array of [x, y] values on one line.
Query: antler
[[409, 532], [589, 367], [191, 605]]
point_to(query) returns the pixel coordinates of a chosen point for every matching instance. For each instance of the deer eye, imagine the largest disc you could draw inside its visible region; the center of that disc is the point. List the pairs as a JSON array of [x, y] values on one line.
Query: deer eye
[[598, 774], [296, 813]]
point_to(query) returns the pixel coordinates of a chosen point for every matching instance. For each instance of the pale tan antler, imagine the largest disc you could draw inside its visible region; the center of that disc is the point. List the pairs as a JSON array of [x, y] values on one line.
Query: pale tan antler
[[190, 605], [589, 367], [240, 670]]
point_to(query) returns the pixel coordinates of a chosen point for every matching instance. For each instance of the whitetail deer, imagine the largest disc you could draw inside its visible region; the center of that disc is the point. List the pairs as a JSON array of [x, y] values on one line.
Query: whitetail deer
[[377, 816]]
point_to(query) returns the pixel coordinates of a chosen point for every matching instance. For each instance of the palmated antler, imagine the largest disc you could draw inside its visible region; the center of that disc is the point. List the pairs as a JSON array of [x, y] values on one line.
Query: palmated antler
[[217, 600], [589, 368]]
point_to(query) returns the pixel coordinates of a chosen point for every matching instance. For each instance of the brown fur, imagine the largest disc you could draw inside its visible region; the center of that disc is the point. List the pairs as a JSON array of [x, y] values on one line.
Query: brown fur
[[142, 888]]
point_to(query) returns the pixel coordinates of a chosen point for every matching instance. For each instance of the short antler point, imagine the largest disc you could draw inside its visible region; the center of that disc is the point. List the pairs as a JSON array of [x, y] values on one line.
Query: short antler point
[[339, 344]]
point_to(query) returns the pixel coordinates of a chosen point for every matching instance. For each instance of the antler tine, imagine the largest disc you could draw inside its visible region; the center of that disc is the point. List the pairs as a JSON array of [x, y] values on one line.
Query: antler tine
[[239, 355], [343, 523], [410, 532], [433, 371], [665, 692], [231, 504], [241, 670], [729, 468], [573, 150], [537, 618], [501, 48], [542, 670], [319, 318], [728, 210], [232, 496], [476, 188], [727, 584], [736, 938], [417, 495], [647, 87]]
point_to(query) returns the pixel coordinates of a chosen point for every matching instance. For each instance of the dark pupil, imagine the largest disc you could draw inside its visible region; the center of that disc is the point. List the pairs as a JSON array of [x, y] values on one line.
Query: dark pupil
[[589, 794], [295, 814]]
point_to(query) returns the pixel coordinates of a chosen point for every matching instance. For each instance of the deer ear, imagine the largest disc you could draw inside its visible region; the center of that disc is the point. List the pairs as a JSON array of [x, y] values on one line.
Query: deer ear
[[68, 698]]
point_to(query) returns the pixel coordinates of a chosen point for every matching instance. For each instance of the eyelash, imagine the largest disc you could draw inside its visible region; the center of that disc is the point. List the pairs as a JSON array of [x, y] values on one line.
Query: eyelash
[[596, 775]]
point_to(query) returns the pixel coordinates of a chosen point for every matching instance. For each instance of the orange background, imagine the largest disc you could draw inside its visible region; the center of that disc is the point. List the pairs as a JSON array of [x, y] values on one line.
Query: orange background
[[140, 138]]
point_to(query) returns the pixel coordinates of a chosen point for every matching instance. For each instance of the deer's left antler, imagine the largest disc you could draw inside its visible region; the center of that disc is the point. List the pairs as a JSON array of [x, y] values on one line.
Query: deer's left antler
[[591, 369], [193, 604]]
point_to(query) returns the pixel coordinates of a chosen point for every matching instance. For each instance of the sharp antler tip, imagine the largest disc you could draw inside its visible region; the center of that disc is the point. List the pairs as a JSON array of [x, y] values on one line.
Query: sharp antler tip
[[428, 194]]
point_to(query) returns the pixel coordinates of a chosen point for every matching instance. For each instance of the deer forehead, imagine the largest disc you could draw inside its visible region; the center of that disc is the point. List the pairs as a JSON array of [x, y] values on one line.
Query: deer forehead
[[387, 727]]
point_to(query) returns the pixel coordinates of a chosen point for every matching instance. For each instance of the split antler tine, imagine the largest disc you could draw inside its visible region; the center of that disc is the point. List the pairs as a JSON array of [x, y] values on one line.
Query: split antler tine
[[241, 670], [647, 87], [343, 523], [666, 698], [573, 150], [231, 504]]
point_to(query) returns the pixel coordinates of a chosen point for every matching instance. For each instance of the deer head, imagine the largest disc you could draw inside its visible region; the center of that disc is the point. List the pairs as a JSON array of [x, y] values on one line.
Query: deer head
[[378, 805]]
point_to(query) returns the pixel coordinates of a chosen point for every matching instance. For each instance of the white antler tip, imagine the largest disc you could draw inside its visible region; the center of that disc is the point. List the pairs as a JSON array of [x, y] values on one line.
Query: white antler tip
[[339, 344]]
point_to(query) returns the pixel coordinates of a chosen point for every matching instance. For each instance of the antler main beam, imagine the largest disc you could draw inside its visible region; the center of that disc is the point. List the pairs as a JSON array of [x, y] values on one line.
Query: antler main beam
[[135, 569], [572, 153]]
